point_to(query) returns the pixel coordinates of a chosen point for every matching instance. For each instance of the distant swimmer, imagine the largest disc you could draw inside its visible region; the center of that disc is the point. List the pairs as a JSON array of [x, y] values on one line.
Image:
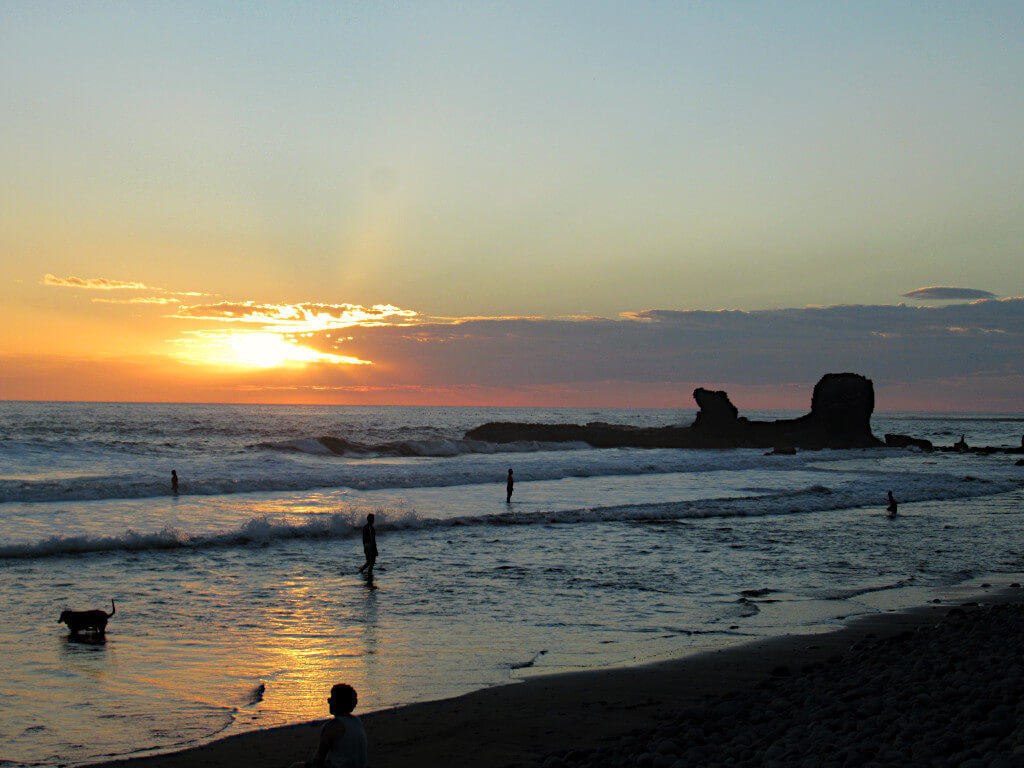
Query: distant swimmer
[[174, 482], [508, 488], [892, 505], [369, 546]]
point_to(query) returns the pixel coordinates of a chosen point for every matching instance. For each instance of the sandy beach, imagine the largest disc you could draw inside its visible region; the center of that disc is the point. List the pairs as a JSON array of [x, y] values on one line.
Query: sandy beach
[[936, 685]]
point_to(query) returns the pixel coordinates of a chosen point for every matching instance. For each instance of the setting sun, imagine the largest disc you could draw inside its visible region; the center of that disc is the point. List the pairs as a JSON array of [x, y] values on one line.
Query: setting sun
[[257, 349]]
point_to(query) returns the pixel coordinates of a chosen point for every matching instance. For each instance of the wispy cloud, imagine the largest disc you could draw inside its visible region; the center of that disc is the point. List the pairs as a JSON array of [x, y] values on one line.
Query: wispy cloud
[[139, 300], [105, 284], [948, 293], [294, 317], [95, 283]]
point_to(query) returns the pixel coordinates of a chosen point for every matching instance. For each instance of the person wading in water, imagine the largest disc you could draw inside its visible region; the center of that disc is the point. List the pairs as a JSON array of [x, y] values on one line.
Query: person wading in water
[[369, 545]]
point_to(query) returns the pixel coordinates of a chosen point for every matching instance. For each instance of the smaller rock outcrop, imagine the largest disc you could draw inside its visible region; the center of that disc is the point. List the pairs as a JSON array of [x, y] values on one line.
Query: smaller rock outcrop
[[716, 410], [904, 441]]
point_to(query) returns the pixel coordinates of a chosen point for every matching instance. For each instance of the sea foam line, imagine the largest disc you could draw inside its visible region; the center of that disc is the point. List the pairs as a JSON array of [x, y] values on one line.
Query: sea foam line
[[339, 525], [364, 474], [437, 448]]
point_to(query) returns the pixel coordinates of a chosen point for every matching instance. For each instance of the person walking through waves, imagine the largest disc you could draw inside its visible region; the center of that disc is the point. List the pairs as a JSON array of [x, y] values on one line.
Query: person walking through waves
[[508, 487], [369, 545]]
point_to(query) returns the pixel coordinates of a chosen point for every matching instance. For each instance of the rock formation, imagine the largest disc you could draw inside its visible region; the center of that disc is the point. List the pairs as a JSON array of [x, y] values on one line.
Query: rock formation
[[840, 417]]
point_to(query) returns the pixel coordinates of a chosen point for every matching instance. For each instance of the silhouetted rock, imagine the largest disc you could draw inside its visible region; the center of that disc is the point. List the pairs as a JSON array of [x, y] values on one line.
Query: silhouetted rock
[[840, 417], [842, 404], [597, 433], [716, 410]]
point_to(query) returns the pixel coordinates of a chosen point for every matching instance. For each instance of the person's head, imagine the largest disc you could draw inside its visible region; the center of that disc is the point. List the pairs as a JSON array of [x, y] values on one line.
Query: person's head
[[369, 518], [510, 470], [174, 473], [343, 699]]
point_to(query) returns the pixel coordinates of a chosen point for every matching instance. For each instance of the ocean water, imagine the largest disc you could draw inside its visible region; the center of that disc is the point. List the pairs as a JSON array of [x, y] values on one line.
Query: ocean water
[[239, 601]]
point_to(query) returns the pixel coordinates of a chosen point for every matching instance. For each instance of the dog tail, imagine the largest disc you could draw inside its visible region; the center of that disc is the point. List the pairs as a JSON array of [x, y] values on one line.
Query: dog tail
[[113, 608]]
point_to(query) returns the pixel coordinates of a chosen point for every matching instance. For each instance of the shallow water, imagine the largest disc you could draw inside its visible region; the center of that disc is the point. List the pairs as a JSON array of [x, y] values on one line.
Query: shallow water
[[604, 558]]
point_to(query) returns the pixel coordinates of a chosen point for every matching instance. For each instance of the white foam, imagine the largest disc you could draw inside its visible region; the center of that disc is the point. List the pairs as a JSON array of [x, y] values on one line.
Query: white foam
[[343, 524], [302, 470]]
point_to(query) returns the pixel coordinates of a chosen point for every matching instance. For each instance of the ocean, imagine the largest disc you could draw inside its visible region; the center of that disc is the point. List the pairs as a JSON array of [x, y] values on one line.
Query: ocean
[[239, 602]]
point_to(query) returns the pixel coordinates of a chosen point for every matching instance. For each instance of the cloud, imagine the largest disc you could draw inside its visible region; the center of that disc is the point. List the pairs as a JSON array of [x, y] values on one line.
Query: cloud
[[642, 356], [307, 315], [964, 356], [139, 300], [688, 348], [104, 284], [95, 284], [947, 293]]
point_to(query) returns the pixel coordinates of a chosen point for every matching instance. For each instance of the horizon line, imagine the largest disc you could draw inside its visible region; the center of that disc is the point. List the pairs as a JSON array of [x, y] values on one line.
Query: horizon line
[[456, 405]]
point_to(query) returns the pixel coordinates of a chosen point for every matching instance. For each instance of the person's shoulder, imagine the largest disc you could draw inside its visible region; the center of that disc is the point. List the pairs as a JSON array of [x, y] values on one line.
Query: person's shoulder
[[335, 727]]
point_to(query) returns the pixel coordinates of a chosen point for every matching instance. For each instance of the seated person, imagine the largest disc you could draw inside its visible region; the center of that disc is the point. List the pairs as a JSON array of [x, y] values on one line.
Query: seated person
[[342, 740]]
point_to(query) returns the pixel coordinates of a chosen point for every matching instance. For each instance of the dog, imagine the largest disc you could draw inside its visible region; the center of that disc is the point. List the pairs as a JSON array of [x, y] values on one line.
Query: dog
[[87, 621]]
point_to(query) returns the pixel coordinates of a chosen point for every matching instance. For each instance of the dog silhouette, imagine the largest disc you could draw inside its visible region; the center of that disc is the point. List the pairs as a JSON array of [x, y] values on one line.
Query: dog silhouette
[[87, 621]]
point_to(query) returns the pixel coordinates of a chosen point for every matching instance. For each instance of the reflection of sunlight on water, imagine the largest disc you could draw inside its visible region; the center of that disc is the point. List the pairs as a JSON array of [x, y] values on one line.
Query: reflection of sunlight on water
[[454, 609], [313, 650]]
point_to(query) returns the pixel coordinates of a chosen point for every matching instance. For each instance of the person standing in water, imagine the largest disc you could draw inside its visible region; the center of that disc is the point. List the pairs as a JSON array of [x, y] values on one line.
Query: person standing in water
[[892, 505], [369, 545], [508, 488], [174, 482]]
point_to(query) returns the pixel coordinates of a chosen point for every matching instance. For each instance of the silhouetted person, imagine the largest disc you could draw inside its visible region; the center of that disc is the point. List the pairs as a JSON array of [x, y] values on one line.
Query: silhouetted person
[[174, 482], [343, 739], [892, 505], [508, 488], [961, 444], [369, 546]]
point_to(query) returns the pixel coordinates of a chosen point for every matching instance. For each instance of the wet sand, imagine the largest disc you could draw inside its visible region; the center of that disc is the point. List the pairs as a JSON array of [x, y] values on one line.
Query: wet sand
[[623, 716]]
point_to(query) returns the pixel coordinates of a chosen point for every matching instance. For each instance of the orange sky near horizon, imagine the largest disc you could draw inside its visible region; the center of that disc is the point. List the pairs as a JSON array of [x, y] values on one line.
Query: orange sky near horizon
[[111, 339]]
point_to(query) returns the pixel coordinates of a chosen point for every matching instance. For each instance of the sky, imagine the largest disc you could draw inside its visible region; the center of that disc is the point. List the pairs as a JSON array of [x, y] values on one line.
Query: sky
[[479, 203]]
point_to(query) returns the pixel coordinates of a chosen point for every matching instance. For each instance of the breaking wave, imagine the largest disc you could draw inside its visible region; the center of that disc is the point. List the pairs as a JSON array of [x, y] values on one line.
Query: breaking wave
[[438, 448], [296, 470], [339, 525]]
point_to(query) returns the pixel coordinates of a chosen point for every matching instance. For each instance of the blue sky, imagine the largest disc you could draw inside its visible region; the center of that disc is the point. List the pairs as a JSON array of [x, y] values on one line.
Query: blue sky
[[505, 159]]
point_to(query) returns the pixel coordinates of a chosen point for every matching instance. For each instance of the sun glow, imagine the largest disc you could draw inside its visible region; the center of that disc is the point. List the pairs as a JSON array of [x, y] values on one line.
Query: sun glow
[[255, 349]]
